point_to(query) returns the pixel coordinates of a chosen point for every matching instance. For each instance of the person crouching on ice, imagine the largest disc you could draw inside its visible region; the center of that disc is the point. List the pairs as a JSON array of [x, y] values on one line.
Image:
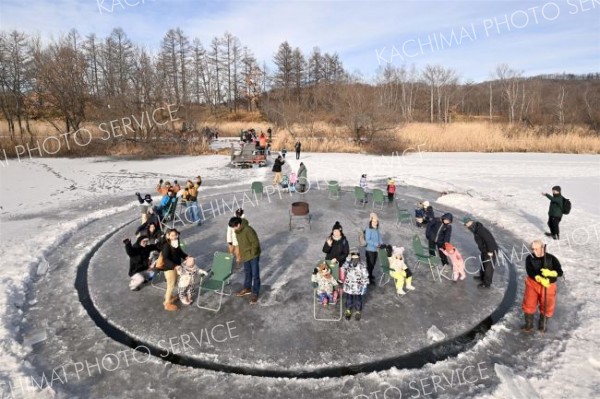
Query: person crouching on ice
[[326, 285], [187, 271], [355, 284], [400, 272], [458, 263], [540, 286]]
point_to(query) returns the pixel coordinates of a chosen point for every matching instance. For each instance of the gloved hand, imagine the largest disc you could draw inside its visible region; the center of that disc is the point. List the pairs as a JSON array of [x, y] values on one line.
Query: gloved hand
[[549, 273], [543, 281], [126, 241], [315, 271], [137, 194], [160, 181]]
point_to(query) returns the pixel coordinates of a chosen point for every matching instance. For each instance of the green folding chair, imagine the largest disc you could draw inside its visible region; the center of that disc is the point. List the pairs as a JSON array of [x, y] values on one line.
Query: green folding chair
[[257, 188], [403, 215], [360, 195], [335, 273], [334, 189], [216, 279], [384, 264], [378, 197], [434, 262]]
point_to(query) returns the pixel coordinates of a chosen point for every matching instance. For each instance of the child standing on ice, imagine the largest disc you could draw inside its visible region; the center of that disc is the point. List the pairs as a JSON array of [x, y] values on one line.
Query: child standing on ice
[[356, 279], [187, 271], [391, 189], [293, 180], [326, 284], [458, 263], [400, 272]]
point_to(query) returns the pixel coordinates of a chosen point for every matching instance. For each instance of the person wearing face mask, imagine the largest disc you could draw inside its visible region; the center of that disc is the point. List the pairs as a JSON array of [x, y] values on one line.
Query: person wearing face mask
[[487, 246], [542, 269], [356, 279], [172, 256], [336, 245]]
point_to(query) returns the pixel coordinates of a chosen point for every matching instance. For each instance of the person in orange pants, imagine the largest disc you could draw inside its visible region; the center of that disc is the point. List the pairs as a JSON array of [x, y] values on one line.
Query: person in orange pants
[[540, 286]]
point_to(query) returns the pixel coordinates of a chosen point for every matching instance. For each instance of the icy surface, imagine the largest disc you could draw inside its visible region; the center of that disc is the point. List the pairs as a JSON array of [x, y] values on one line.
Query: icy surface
[[434, 334], [67, 200]]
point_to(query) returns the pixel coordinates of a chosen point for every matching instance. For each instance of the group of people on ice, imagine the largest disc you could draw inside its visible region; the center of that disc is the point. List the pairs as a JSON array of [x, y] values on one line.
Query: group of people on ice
[[153, 250]]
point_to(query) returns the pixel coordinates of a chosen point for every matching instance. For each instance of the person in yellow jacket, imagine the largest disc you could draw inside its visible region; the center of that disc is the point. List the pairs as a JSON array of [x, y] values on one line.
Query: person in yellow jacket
[[400, 272]]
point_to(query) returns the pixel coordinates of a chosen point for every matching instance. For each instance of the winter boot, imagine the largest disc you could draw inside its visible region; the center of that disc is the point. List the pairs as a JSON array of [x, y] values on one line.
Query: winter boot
[[542, 323], [170, 307], [357, 316], [400, 291], [348, 314], [548, 234], [409, 285], [528, 326], [325, 302]]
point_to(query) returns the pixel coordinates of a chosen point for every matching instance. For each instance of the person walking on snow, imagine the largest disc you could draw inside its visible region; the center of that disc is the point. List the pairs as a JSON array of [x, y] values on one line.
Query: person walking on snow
[[487, 247], [540, 286], [555, 212], [249, 254], [277, 165]]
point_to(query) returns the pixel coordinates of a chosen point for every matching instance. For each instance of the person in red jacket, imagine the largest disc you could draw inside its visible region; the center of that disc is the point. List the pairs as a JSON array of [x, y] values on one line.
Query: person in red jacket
[[391, 189], [540, 286]]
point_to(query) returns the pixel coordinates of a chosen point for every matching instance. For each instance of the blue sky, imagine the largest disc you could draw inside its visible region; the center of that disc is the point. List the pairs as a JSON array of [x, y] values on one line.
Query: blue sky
[[472, 37]]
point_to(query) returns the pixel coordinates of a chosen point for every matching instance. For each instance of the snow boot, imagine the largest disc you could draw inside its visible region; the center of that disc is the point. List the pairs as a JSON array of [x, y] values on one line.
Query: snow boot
[[400, 291], [528, 326], [170, 307], [357, 316], [409, 285], [348, 314], [542, 323], [548, 234]]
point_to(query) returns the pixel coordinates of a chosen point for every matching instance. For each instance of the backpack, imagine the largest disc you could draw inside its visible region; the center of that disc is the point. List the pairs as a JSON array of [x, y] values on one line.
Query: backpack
[[362, 241], [566, 207]]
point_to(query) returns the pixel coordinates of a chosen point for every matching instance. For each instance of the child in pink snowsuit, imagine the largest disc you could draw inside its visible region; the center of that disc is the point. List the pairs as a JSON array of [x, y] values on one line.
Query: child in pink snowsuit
[[458, 263]]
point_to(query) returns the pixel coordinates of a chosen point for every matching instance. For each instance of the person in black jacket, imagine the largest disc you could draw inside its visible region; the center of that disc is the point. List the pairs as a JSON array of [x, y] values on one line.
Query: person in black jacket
[[298, 148], [277, 165], [172, 256], [540, 286], [438, 233], [139, 254], [336, 246], [488, 248], [429, 214], [555, 212]]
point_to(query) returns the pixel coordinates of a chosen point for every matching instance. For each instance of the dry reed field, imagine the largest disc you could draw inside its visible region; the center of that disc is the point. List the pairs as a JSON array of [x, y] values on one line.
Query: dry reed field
[[323, 137]]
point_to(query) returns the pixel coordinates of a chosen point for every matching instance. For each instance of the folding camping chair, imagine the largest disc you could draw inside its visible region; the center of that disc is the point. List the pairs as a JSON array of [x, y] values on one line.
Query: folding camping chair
[[434, 262], [334, 189], [378, 197], [335, 273], [218, 276], [384, 264], [360, 195], [403, 215], [170, 216], [257, 188]]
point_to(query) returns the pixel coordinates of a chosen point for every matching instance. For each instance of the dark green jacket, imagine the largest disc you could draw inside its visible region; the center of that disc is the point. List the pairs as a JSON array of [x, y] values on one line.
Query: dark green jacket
[[556, 205], [248, 242]]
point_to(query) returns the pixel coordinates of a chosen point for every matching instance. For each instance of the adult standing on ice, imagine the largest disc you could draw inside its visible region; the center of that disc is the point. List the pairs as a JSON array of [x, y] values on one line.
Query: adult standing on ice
[[249, 254], [374, 241], [302, 177], [555, 212], [487, 246], [298, 148], [172, 256], [540, 286], [365, 186], [277, 166]]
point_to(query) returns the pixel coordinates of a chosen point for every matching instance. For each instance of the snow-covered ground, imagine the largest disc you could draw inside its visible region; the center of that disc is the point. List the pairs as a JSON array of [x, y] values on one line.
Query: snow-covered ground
[[45, 201]]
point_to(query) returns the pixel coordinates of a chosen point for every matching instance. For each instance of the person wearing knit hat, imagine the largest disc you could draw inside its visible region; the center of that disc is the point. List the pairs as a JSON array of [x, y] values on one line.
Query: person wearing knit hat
[[555, 212], [458, 263], [487, 247], [399, 271], [374, 241], [391, 189], [336, 245]]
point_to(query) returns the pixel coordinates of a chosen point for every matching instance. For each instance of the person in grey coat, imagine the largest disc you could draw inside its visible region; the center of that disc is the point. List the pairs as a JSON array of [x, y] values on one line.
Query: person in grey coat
[[302, 177]]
